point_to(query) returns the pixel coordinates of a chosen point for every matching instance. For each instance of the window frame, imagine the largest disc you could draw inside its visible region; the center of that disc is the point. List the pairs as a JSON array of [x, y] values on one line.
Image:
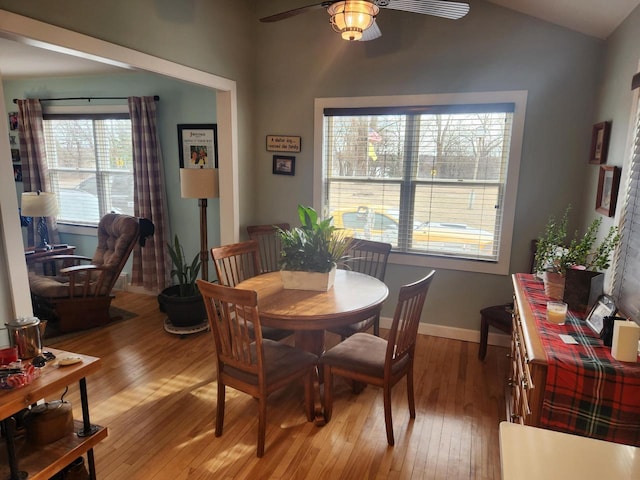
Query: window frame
[[72, 228], [517, 97]]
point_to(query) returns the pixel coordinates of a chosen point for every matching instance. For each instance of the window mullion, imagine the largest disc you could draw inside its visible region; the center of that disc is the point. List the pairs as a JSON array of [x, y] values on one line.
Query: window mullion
[[407, 189]]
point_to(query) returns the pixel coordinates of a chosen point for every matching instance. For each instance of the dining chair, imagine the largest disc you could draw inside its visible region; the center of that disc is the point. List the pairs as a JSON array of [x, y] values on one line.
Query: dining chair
[[237, 262], [372, 360], [370, 258], [269, 244], [254, 365]]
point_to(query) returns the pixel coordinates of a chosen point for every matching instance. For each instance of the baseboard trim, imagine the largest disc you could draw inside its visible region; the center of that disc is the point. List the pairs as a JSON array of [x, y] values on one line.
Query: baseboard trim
[[497, 339]]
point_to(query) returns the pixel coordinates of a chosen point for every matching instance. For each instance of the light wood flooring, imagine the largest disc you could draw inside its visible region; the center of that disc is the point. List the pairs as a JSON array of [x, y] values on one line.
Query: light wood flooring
[[156, 393]]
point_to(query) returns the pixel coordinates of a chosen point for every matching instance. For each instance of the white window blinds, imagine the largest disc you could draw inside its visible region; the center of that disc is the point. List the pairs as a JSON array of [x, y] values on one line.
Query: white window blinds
[[90, 164], [427, 179]]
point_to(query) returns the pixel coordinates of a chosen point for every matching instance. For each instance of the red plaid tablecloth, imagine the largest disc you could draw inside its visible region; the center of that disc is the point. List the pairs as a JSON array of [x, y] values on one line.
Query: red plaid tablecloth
[[588, 392]]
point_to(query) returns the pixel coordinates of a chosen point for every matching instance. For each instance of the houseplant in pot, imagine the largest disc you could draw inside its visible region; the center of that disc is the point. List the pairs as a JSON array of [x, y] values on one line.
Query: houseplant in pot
[[311, 252], [581, 258], [182, 302]]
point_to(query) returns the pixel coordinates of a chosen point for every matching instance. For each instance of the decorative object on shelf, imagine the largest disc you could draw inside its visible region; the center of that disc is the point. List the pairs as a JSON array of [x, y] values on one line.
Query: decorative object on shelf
[[555, 255], [604, 307], [284, 165], [17, 173], [43, 205], [284, 143], [315, 247], [600, 143], [200, 183], [198, 145], [182, 302], [15, 155], [608, 184], [13, 120]]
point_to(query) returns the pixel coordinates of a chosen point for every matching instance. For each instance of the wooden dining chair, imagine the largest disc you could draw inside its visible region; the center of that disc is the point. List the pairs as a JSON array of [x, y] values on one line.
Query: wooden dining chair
[[370, 258], [254, 365], [268, 244], [373, 360], [237, 262]]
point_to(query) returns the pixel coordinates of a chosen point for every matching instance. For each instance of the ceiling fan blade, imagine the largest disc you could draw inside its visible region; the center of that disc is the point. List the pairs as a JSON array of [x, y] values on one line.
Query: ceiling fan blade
[[371, 33], [437, 8], [295, 11]]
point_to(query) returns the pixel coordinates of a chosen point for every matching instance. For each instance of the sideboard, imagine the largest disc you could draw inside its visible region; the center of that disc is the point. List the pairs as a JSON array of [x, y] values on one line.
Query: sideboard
[[574, 388]]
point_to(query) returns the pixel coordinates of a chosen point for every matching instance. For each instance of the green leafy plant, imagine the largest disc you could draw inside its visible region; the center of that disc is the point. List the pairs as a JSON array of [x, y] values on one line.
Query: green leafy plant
[[554, 253], [185, 273], [315, 246]]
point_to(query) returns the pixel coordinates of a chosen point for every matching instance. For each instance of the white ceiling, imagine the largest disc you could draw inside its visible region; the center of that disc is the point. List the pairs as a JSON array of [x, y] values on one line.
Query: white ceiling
[[598, 18]]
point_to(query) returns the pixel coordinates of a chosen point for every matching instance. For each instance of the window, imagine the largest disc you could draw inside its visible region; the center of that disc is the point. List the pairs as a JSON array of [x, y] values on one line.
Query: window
[[432, 175], [626, 281], [90, 164]]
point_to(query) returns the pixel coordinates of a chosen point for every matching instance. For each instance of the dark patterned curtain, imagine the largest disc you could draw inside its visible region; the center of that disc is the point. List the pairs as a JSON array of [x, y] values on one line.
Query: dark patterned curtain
[[35, 173], [151, 264]]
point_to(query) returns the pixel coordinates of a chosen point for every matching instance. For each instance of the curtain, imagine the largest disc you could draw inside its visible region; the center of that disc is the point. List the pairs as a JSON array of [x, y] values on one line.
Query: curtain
[[35, 172], [151, 264]]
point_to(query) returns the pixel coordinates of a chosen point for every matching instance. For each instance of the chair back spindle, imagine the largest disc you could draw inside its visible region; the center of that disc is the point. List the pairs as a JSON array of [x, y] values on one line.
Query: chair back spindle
[[269, 244]]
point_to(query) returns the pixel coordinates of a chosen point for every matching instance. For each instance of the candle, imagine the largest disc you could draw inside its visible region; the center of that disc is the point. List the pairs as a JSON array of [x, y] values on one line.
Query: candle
[[557, 312], [625, 341]]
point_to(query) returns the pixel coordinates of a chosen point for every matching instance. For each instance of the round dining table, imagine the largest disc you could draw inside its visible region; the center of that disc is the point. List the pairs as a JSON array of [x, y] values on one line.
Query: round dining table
[[354, 297]]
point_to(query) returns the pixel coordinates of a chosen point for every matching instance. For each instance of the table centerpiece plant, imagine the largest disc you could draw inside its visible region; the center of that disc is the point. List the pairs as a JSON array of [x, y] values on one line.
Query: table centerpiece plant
[[556, 254], [182, 301], [311, 252]]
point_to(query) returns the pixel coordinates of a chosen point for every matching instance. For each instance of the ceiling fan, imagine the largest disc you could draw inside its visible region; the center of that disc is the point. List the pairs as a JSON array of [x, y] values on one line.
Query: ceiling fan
[[356, 19]]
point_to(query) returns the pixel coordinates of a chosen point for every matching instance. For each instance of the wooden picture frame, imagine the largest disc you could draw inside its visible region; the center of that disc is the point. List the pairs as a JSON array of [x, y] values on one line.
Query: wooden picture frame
[[197, 145], [600, 135], [608, 184], [604, 307], [284, 165]]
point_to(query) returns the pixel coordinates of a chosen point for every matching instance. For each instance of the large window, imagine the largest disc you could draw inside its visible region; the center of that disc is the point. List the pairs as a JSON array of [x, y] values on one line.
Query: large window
[[90, 164], [431, 179]]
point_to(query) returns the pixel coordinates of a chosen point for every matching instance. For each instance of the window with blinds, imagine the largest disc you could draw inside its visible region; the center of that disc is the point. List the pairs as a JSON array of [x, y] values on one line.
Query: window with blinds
[[626, 280], [90, 162], [427, 179]]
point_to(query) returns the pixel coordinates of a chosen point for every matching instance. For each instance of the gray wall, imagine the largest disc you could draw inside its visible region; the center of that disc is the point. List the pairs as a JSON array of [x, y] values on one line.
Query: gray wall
[[491, 49], [282, 67]]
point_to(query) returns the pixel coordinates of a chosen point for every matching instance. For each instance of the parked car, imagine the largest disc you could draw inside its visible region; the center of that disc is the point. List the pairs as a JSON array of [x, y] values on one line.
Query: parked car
[[381, 224]]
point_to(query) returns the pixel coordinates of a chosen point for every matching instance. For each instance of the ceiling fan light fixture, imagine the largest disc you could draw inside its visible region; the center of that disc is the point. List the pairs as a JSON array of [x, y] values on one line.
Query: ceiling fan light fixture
[[352, 17]]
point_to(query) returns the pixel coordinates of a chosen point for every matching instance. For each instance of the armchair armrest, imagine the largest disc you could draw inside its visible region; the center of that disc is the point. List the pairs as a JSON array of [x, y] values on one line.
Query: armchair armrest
[[83, 275]]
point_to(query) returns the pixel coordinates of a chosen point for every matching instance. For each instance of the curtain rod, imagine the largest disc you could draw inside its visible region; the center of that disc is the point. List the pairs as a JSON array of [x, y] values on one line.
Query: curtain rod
[[155, 97]]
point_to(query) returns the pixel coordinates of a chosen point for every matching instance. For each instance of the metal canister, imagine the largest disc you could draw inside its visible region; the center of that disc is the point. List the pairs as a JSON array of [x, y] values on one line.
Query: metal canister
[[24, 333]]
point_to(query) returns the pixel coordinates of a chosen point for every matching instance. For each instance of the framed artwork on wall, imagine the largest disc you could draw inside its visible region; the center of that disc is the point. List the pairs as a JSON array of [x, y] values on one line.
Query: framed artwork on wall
[[198, 145], [600, 143], [607, 196], [284, 165]]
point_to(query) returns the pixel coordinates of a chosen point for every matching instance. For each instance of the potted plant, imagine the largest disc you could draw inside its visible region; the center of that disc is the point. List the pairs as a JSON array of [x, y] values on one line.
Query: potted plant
[[311, 252], [556, 256], [182, 302]]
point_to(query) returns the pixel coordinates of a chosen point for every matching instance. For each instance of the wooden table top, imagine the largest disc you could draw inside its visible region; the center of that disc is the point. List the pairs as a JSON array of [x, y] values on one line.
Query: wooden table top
[[354, 297]]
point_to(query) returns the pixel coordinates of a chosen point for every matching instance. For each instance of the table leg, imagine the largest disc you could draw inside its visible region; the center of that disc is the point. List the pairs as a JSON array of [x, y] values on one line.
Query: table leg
[[313, 341]]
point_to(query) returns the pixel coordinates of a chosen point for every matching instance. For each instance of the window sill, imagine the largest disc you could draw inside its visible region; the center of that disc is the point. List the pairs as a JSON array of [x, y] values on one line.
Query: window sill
[[87, 230], [431, 261]]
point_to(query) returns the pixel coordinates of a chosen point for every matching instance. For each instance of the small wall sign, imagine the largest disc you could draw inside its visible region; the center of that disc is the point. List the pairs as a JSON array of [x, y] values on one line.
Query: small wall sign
[[283, 143]]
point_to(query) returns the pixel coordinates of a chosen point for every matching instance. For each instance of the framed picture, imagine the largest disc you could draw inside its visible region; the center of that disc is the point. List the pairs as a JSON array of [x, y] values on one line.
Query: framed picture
[[17, 173], [283, 165], [13, 120], [607, 196], [284, 143], [604, 307], [15, 155], [198, 145], [600, 142], [13, 140]]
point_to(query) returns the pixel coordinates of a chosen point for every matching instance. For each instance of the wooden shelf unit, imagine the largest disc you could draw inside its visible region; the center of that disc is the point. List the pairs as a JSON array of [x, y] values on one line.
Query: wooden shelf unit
[[42, 462]]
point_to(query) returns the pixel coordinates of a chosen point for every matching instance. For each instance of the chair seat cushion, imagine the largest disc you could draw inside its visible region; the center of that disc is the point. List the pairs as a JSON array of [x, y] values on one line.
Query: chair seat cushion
[[280, 360], [51, 287], [498, 316], [362, 353]]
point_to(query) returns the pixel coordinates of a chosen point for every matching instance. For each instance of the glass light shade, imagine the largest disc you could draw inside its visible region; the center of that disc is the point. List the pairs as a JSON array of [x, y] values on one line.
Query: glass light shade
[[352, 17], [39, 204], [199, 183]]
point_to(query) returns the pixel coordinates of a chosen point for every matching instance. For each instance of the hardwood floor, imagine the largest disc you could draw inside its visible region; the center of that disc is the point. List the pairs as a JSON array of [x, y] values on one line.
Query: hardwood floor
[[156, 393]]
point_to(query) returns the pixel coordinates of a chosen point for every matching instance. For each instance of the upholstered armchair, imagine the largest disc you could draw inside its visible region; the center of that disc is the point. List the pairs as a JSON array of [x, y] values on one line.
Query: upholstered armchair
[[79, 296]]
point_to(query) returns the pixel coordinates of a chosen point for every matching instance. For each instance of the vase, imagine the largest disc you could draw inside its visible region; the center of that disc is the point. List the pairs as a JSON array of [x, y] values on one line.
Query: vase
[[314, 281], [582, 288], [553, 285]]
